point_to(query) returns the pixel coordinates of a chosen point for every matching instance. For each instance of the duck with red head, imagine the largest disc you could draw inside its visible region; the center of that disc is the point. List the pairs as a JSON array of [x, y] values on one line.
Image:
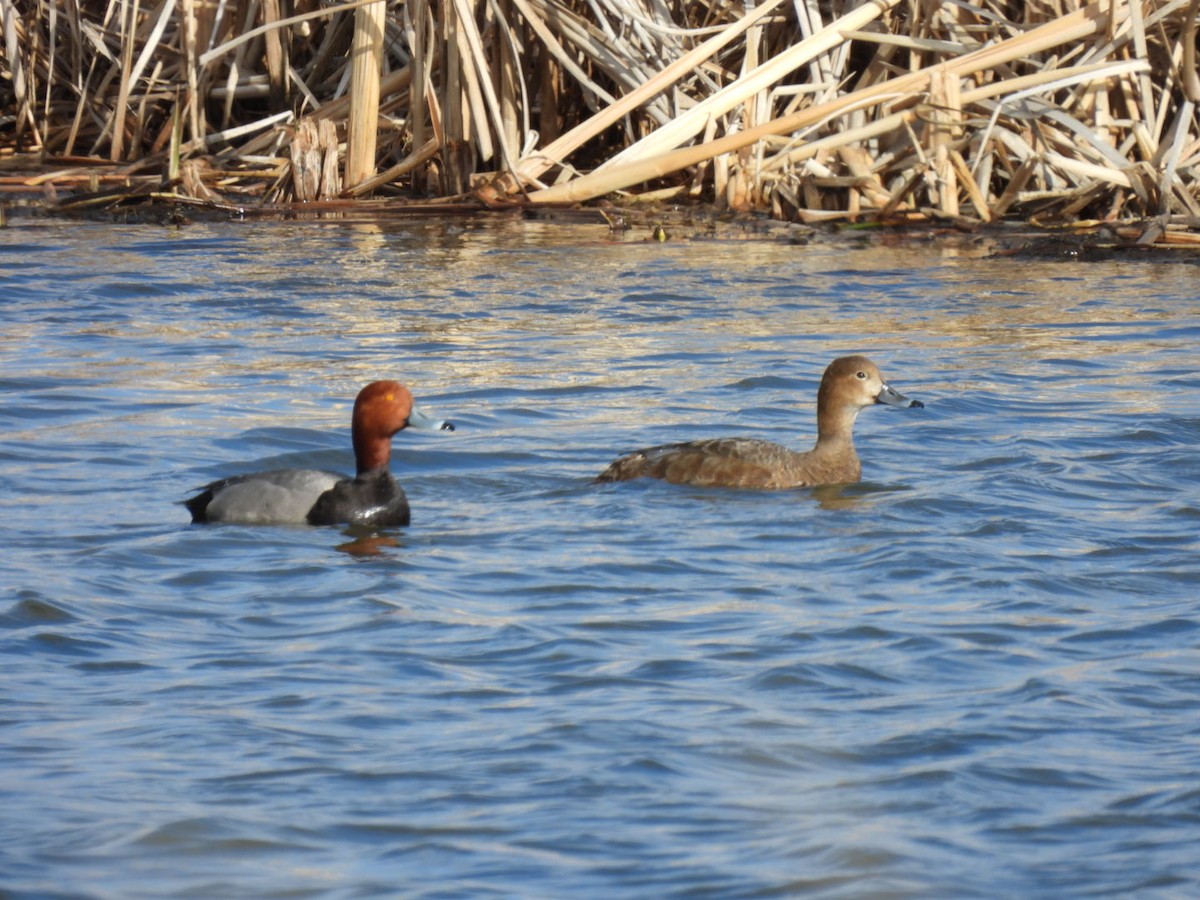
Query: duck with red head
[[850, 384], [372, 498]]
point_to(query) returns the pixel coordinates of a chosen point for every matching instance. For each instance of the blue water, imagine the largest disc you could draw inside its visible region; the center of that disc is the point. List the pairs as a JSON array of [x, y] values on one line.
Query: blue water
[[976, 674]]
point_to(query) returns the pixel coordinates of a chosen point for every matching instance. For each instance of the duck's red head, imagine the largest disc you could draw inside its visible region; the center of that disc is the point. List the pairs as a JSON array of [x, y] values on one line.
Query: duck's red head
[[381, 409]]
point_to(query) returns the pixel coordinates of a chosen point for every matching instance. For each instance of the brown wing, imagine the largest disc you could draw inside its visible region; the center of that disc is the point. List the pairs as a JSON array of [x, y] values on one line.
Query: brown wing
[[722, 462]]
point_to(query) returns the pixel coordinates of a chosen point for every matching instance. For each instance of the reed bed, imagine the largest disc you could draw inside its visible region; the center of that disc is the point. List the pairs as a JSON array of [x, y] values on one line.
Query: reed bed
[[1051, 111]]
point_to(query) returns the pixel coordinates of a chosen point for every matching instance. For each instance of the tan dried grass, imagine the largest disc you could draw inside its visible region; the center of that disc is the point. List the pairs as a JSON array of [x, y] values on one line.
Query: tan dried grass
[[887, 109]]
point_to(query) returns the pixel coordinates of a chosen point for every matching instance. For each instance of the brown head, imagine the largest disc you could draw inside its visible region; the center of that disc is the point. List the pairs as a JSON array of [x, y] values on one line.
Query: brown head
[[381, 409], [850, 384]]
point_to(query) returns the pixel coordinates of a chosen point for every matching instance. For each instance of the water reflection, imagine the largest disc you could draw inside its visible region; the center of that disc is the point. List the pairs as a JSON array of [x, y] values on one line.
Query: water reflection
[[366, 545], [908, 683]]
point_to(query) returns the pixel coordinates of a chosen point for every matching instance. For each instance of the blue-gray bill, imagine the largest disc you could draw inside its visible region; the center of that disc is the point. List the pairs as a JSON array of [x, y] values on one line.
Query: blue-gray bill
[[893, 397]]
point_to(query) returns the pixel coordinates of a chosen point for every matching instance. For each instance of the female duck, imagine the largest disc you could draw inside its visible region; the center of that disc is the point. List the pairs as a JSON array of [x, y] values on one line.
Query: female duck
[[297, 496], [850, 384]]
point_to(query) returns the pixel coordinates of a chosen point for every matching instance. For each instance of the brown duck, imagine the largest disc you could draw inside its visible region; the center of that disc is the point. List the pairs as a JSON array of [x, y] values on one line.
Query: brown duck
[[850, 384]]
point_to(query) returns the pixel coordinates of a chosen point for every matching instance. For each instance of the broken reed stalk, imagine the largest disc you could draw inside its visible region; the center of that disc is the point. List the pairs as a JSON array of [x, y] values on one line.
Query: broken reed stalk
[[692, 122], [553, 154], [276, 52], [366, 60], [810, 109], [1073, 27]]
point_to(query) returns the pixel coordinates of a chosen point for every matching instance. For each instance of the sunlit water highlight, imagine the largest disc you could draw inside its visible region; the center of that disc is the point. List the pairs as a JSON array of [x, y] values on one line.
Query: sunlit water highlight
[[975, 674]]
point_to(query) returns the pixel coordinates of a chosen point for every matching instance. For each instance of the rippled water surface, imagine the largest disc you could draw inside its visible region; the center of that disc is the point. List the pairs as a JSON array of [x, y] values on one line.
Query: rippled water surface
[[975, 674]]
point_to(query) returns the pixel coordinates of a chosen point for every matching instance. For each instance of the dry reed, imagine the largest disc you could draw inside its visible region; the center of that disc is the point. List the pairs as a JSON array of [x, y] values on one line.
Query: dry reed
[[894, 110]]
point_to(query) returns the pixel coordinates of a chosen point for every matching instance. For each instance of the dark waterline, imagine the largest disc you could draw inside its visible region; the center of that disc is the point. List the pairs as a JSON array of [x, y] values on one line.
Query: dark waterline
[[973, 675]]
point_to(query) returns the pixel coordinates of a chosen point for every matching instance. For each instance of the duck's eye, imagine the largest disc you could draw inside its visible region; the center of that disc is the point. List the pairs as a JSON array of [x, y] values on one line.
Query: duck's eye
[[862, 375]]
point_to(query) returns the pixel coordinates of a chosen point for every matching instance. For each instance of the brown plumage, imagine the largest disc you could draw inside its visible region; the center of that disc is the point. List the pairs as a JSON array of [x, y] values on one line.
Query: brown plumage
[[849, 384]]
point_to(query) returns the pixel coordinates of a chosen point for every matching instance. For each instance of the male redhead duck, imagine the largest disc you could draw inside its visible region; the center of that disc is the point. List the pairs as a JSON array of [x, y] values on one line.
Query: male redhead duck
[[298, 496], [850, 384]]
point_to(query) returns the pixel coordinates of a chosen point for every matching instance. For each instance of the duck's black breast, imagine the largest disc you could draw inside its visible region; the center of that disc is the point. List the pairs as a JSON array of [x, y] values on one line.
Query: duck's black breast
[[373, 498]]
